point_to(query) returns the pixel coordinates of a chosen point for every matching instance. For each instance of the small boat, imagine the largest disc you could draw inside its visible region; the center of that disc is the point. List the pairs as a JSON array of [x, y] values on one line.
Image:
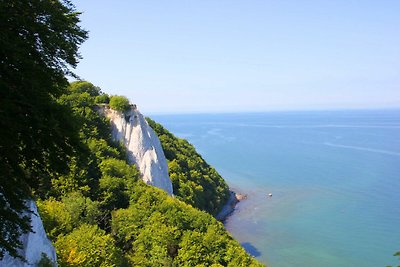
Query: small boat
[[270, 194]]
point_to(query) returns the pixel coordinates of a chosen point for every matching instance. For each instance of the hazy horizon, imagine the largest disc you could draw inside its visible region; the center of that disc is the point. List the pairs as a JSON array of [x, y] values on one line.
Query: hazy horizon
[[288, 110]]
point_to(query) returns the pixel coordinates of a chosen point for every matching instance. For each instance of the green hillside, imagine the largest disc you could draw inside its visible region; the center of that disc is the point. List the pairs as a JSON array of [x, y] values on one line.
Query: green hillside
[[194, 181]]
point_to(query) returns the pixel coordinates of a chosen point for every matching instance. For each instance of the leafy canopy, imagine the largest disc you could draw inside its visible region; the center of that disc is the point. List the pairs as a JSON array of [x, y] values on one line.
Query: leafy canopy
[[39, 42], [88, 246], [120, 103]]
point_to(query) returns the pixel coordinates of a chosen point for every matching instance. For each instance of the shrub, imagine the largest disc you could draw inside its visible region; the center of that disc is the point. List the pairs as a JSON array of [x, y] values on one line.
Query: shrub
[[120, 103], [102, 99], [88, 245], [83, 86]]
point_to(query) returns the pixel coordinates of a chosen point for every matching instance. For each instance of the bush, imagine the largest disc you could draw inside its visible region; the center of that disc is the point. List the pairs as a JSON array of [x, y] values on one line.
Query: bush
[[61, 217], [88, 246], [83, 86], [120, 103], [102, 99]]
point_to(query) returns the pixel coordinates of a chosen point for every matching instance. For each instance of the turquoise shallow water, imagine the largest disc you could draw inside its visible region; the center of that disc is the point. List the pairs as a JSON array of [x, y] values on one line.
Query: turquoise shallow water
[[334, 176]]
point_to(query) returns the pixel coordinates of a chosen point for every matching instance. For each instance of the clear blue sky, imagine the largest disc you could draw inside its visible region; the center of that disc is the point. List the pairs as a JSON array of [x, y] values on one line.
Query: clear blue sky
[[221, 56]]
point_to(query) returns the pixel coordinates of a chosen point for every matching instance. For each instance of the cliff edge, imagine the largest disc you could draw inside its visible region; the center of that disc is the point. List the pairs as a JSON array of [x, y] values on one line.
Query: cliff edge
[[142, 145]]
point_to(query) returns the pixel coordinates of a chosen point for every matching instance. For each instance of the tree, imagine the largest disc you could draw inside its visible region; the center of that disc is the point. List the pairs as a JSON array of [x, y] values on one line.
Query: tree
[[102, 99], [60, 217], [88, 245], [84, 87], [39, 42], [120, 103]]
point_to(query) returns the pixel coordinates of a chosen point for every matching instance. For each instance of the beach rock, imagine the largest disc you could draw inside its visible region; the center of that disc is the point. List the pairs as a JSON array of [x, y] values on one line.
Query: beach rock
[[229, 207], [240, 197]]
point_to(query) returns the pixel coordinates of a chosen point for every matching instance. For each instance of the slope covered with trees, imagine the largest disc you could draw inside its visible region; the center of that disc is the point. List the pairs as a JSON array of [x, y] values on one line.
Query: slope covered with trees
[[102, 214], [194, 181]]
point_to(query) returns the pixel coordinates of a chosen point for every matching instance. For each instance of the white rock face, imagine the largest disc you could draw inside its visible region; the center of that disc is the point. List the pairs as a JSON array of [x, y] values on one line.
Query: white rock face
[[34, 244], [142, 144]]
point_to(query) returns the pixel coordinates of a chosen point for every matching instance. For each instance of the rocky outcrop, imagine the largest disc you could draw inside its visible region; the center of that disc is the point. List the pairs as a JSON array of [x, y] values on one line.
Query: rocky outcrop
[[229, 207], [35, 244], [142, 144]]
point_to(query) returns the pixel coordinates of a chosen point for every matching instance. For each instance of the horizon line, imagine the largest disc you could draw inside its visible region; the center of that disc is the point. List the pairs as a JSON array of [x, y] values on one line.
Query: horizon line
[[270, 111]]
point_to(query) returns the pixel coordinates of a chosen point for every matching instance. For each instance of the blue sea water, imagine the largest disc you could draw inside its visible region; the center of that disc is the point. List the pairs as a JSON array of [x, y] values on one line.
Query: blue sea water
[[334, 176]]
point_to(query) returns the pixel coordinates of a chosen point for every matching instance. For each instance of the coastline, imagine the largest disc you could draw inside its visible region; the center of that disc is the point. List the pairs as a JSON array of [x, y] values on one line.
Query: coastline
[[230, 205]]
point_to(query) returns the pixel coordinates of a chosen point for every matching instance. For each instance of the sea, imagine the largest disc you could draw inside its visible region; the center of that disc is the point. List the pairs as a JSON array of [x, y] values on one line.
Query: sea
[[334, 177]]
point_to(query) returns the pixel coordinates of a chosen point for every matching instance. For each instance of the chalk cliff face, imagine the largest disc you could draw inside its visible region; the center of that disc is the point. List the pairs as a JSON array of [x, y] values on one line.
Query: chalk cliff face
[[34, 244], [142, 144]]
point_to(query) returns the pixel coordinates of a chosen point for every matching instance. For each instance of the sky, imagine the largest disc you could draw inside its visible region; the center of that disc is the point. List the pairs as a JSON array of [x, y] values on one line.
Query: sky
[[233, 56]]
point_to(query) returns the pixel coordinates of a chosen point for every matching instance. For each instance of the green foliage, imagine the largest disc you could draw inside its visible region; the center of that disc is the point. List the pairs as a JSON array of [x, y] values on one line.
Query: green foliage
[[102, 99], [157, 230], [80, 87], [88, 246], [120, 103], [56, 219], [102, 149], [117, 168], [39, 43], [61, 217], [82, 209], [96, 144], [116, 182], [194, 181]]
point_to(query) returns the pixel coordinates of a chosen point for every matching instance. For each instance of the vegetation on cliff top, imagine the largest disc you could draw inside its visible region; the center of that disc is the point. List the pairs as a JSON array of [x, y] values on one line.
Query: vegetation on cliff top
[[120, 103]]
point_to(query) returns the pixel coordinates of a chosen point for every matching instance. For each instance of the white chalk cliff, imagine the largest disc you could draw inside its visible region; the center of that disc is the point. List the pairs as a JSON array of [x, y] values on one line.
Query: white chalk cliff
[[34, 244], [142, 144]]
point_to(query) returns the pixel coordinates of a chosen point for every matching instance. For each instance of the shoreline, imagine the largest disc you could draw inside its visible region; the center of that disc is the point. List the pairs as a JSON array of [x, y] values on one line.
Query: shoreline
[[230, 206]]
